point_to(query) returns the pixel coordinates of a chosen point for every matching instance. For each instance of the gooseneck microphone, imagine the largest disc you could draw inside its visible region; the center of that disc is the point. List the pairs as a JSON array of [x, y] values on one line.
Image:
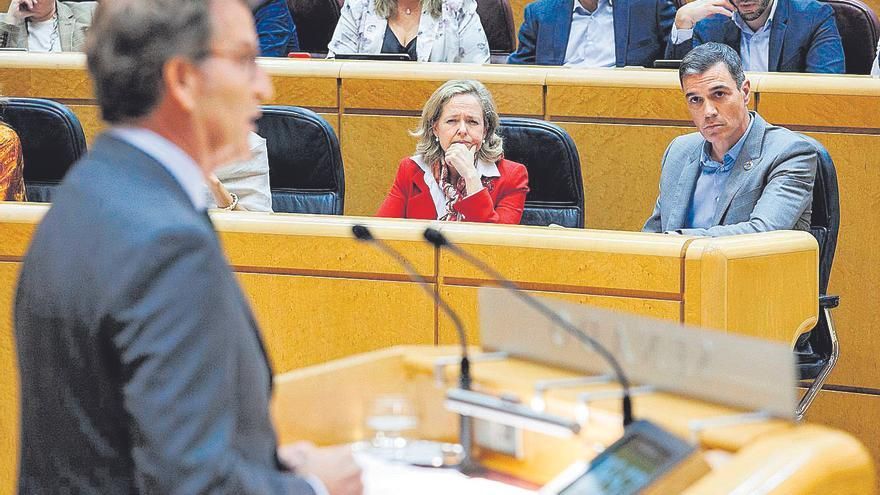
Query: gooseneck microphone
[[362, 233], [437, 238]]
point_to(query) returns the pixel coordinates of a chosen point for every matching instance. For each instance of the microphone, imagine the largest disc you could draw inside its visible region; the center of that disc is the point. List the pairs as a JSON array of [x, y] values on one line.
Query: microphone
[[437, 238], [362, 233]]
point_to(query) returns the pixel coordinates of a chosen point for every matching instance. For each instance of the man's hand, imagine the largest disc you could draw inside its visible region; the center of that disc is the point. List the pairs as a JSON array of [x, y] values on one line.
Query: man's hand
[[690, 14], [19, 10], [334, 466]]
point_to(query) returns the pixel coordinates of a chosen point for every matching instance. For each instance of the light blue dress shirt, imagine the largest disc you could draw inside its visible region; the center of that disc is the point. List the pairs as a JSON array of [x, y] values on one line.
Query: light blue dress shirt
[[711, 182], [591, 40], [754, 46]]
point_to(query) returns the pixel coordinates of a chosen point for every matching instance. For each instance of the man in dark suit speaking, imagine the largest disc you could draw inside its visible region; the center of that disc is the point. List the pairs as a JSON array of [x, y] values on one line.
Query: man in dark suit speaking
[[141, 366]]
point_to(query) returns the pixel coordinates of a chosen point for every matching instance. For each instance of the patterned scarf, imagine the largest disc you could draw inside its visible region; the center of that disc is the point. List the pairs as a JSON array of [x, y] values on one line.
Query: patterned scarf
[[452, 192]]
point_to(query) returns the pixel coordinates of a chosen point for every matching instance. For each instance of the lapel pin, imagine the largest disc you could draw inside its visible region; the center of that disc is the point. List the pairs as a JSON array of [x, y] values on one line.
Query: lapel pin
[[748, 165]]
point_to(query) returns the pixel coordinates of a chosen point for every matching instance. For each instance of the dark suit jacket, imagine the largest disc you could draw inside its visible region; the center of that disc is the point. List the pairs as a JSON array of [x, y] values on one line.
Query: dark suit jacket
[[803, 38], [770, 186], [141, 366], [641, 32], [501, 201]]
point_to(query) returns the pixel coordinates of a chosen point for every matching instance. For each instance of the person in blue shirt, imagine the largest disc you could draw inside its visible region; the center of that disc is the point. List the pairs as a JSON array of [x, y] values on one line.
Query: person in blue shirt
[[594, 33], [275, 28], [738, 174], [769, 35]]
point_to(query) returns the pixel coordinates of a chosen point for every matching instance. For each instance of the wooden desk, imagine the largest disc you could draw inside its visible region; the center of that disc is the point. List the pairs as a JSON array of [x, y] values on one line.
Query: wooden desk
[[320, 295], [328, 404], [621, 120]]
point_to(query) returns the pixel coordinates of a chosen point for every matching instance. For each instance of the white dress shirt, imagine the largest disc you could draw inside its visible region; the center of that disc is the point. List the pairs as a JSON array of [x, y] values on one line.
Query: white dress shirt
[[591, 40]]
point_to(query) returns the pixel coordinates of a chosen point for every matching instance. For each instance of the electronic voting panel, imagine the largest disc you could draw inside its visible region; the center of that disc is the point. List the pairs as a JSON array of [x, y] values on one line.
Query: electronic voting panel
[[646, 459]]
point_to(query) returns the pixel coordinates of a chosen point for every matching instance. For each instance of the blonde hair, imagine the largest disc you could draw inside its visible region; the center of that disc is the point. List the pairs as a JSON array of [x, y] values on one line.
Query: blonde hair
[[387, 8], [491, 149]]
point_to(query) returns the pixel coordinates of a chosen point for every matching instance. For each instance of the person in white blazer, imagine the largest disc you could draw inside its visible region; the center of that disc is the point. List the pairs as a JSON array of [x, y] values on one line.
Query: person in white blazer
[[444, 31]]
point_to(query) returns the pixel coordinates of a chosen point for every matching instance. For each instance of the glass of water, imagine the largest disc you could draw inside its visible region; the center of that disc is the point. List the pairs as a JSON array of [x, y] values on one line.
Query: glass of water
[[390, 416]]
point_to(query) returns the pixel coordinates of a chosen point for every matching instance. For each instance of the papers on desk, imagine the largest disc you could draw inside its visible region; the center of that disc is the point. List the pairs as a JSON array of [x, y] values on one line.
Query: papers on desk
[[388, 478]]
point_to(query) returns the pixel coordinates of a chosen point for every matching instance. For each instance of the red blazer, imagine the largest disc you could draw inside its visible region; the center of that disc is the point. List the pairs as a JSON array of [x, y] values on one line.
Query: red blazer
[[501, 201]]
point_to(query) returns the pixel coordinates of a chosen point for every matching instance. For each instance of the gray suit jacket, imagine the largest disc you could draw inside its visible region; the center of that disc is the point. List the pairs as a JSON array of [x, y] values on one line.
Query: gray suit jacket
[[74, 19], [769, 188], [141, 366]]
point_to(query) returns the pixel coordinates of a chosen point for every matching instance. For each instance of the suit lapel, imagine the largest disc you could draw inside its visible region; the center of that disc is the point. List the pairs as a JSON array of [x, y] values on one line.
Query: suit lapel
[[750, 152], [562, 20], [777, 35], [66, 24], [732, 35], [620, 11], [687, 182], [428, 34]]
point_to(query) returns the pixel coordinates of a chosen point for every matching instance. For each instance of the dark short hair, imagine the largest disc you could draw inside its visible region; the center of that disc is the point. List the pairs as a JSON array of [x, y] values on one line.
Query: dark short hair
[[708, 55], [129, 43]]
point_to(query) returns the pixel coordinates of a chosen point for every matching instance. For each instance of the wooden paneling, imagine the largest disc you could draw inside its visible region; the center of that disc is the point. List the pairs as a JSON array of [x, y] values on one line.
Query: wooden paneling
[[851, 412], [55, 83], [311, 320], [310, 84], [90, 118], [9, 406], [516, 90], [856, 273], [372, 147], [815, 100], [620, 167], [732, 285]]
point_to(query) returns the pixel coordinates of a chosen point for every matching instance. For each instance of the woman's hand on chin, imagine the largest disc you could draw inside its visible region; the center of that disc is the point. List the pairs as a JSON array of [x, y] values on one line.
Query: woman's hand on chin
[[463, 158]]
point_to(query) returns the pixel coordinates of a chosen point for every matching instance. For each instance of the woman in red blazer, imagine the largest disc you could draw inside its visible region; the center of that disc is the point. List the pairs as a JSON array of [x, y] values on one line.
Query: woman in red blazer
[[458, 172]]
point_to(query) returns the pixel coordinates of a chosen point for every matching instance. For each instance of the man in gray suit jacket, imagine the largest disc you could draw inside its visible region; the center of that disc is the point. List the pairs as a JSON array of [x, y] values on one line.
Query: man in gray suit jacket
[[141, 366], [738, 174], [46, 25]]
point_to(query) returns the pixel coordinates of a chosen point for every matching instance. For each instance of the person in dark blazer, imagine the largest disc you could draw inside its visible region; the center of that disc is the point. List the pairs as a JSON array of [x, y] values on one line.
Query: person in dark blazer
[[458, 172], [769, 35], [141, 366], [620, 33], [738, 174], [276, 28]]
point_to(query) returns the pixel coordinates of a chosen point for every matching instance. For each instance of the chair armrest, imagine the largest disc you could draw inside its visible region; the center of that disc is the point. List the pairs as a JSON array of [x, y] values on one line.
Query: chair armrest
[[828, 302]]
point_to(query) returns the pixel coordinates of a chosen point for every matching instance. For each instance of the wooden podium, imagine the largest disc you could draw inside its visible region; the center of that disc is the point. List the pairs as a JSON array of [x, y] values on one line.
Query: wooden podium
[[328, 404]]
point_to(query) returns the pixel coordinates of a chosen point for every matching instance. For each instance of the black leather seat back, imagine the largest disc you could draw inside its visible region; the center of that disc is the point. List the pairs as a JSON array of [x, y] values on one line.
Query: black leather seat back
[[825, 220], [556, 191], [315, 22], [497, 19], [305, 164], [52, 140], [859, 31]]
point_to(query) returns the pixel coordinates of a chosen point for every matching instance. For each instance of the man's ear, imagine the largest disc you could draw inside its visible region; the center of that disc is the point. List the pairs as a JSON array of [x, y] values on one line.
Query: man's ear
[[746, 89], [182, 81]]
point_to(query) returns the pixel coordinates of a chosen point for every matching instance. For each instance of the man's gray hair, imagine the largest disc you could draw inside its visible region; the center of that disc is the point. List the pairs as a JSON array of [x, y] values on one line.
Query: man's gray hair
[[706, 56], [491, 149], [129, 43]]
